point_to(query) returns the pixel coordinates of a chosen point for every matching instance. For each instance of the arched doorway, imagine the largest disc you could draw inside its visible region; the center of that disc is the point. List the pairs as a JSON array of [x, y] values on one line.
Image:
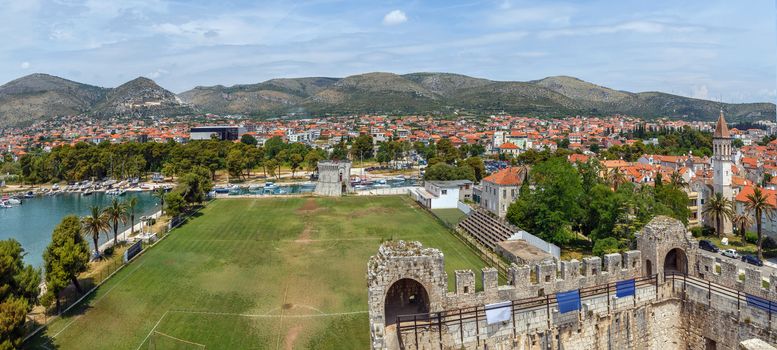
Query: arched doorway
[[405, 297], [648, 268], [675, 262]]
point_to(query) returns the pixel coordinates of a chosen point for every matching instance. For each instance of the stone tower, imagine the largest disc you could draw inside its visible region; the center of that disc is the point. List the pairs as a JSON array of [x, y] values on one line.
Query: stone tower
[[721, 165], [334, 178]]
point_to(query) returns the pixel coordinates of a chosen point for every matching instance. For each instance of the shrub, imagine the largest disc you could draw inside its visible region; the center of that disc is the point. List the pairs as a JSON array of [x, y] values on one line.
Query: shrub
[[47, 299], [108, 251], [697, 231], [751, 237], [606, 246]]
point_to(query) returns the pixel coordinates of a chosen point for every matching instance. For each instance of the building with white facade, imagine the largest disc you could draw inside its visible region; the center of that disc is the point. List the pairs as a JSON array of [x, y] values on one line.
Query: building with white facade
[[441, 194], [500, 189]]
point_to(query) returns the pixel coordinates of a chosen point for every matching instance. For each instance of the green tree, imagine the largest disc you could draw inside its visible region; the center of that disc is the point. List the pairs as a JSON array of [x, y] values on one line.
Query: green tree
[[313, 157], [248, 139], [271, 166], [94, 224], [193, 187], [615, 178], [160, 194], [590, 173], [717, 209], [550, 209], [235, 163], [607, 245], [116, 212], [677, 180], [742, 222], [65, 257], [18, 293], [339, 152], [273, 146], [758, 204], [362, 148], [447, 172], [175, 203], [132, 203], [477, 165], [447, 151]]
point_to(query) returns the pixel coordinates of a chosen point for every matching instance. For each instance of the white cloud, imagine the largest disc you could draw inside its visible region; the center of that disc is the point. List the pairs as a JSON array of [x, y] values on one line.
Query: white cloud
[[700, 92], [641, 27], [156, 74], [394, 17], [25, 65]]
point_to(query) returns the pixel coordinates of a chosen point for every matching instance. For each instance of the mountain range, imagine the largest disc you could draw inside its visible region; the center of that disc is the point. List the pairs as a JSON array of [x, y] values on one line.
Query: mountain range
[[39, 96]]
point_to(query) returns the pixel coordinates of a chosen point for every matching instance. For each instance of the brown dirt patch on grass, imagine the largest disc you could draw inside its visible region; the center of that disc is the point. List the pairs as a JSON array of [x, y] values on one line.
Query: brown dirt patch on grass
[[309, 205], [304, 236], [291, 337]]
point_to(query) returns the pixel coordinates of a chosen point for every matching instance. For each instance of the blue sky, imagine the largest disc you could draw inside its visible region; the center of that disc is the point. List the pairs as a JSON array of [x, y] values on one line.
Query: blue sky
[[707, 49]]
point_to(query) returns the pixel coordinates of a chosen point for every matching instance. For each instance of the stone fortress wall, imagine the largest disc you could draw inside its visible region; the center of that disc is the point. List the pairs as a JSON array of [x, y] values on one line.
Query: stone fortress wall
[[665, 312], [334, 178]]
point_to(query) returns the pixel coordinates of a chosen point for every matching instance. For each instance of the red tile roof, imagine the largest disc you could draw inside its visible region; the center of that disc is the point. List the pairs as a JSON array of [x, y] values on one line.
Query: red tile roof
[[771, 195], [512, 176]]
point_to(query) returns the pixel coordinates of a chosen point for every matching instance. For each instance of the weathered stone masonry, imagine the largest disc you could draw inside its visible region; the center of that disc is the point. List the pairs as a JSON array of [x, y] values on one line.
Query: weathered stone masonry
[[669, 316]]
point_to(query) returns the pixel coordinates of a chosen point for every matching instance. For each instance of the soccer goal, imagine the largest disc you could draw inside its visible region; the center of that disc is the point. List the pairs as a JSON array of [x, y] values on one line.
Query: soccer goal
[[162, 341]]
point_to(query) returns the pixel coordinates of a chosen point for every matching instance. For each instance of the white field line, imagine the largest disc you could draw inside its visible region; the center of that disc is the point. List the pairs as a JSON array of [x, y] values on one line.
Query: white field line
[[98, 299], [152, 330], [179, 339], [89, 292]]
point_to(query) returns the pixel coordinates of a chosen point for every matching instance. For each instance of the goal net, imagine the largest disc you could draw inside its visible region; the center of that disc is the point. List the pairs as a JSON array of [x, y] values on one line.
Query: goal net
[[162, 341]]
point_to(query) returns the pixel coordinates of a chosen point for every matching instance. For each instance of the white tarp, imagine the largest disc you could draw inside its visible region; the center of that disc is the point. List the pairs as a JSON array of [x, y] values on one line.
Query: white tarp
[[499, 312]]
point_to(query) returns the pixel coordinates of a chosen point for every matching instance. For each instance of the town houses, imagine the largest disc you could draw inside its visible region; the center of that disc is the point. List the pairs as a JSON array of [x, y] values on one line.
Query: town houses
[[739, 159]]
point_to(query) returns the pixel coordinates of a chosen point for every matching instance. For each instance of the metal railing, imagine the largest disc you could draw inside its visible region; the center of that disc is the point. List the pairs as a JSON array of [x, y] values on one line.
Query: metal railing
[[434, 322], [35, 323], [680, 283]]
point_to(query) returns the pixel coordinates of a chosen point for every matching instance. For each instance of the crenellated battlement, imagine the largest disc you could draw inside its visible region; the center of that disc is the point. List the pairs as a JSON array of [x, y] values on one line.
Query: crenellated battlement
[[543, 278], [333, 178], [752, 280], [414, 277]]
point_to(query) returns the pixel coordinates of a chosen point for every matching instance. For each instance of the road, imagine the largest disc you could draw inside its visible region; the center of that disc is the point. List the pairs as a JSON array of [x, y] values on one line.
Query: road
[[768, 268]]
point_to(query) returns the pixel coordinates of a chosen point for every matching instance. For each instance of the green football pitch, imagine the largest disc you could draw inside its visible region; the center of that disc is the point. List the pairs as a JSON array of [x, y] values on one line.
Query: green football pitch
[[280, 273]]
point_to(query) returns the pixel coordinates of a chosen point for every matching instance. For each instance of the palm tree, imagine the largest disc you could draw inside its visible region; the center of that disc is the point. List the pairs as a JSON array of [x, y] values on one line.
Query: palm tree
[[743, 221], [718, 208], [677, 180], [758, 204], [615, 178], [160, 194], [94, 224], [131, 204], [116, 212]]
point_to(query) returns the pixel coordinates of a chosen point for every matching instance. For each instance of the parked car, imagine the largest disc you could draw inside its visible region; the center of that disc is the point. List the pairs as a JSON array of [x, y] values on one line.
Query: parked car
[[731, 253], [708, 246], [753, 260]]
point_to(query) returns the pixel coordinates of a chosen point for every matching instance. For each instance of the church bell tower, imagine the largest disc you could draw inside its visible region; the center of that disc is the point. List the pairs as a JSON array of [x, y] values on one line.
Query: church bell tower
[[721, 165]]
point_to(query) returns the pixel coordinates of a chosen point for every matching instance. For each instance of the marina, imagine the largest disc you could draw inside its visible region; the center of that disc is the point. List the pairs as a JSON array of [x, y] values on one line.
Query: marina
[[32, 220]]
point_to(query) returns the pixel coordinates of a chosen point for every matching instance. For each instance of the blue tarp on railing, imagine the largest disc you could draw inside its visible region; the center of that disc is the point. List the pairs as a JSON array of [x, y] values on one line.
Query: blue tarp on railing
[[761, 303], [568, 301], [625, 288]]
